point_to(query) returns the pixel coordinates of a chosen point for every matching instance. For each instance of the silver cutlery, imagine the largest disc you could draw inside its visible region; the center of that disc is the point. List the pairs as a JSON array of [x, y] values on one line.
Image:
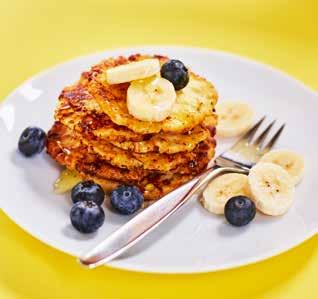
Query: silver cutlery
[[238, 159]]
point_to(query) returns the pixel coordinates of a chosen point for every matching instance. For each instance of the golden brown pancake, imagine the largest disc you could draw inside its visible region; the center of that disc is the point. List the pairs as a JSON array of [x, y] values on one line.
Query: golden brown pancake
[[79, 150], [153, 187], [67, 150], [73, 113], [95, 135], [193, 103]]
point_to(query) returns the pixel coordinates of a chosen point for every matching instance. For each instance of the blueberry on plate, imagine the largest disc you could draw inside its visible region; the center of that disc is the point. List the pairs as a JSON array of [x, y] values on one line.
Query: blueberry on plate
[[32, 141], [88, 191], [126, 199], [176, 73], [87, 216], [239, 210]]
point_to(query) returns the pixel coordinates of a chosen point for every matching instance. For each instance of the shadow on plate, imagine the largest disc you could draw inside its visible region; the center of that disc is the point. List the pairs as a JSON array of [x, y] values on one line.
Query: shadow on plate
[[70, 232], [162, 230]]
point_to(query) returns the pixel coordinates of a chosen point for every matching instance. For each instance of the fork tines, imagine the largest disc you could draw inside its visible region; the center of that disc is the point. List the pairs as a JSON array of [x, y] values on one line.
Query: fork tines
[[259, 141]]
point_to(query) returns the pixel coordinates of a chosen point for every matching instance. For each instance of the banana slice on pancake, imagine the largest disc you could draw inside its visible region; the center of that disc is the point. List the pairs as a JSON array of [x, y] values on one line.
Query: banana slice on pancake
[[151, 99], [133, 71]]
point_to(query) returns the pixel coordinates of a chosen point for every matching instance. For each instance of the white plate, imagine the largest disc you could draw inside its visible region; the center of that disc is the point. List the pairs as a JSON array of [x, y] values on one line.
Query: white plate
[[192, 240]]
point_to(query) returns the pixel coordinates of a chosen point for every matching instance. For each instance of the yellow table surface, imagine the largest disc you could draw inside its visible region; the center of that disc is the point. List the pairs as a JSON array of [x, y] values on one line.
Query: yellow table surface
[[37, 34]]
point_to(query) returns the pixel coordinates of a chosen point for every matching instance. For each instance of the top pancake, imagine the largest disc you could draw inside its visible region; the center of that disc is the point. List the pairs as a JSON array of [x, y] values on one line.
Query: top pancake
[[193, 103]]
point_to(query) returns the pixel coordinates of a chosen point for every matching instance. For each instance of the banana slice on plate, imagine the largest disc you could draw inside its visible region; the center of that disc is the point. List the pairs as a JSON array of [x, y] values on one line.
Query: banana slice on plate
[[133, 71], [291, 161], [221, 189], [234, 118], [151, 99], [272, 188]]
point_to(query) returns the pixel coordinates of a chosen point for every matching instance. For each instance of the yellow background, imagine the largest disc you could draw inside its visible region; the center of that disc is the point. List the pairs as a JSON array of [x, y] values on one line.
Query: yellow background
[[37, 34]]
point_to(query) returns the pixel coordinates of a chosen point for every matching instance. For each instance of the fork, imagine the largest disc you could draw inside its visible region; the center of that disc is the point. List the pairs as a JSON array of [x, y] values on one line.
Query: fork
[[240, 158]]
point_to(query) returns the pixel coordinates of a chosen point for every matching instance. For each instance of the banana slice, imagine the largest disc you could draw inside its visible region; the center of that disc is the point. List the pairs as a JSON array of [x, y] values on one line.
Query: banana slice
[[151, 99], [221, 189], [66, 181], [291, 161], [272, 188], [234, 118], [133, 71]]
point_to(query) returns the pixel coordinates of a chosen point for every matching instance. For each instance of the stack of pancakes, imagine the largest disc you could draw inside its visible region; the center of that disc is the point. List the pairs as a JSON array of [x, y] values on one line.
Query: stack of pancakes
[[95, 136]]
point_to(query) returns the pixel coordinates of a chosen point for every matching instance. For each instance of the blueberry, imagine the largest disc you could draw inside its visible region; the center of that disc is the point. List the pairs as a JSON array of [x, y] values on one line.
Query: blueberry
[[89, 191], [176, 73], [87, 216], [32, 141], [126, 199], [239, 210]]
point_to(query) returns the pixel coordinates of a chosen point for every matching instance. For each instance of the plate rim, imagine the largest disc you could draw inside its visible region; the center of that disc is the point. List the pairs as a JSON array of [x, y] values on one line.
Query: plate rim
[[116, 264]]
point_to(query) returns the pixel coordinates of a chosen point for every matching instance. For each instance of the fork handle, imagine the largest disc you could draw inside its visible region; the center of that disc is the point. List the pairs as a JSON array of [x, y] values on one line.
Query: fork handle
[[142, 224]]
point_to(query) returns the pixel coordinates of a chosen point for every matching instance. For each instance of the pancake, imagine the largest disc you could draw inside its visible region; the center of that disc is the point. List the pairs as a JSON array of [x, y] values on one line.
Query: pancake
[[72, 112], [95, 136], [70, 152], [78, 150], [167, 143], [193, 104], [153, 187]]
